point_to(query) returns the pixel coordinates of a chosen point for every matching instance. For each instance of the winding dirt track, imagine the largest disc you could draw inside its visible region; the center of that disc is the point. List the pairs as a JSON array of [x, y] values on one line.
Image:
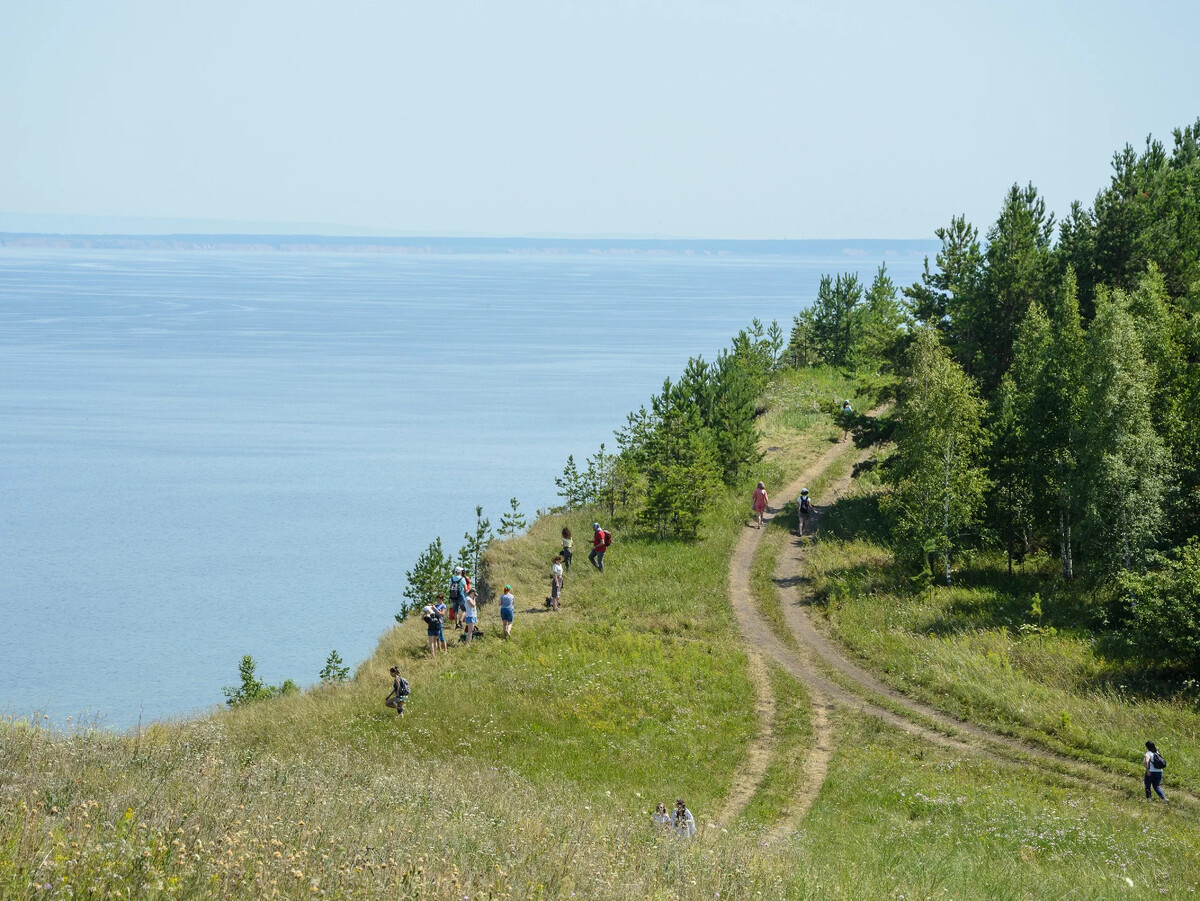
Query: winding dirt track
[[831, 678]]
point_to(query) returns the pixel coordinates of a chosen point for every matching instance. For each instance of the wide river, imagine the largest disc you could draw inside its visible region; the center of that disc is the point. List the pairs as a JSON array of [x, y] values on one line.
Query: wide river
[[205, 454]]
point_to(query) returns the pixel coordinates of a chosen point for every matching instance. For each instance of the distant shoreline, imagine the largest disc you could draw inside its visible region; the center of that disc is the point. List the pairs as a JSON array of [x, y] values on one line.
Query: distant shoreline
[[869, 249]]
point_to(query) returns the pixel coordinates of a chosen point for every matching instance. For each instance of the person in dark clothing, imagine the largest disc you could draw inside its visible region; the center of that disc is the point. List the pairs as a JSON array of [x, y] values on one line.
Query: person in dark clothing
[[1154, 764]]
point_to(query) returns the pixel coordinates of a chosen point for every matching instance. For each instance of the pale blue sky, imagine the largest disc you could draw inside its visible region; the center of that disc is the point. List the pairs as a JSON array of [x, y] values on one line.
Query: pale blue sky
[[697, 119]]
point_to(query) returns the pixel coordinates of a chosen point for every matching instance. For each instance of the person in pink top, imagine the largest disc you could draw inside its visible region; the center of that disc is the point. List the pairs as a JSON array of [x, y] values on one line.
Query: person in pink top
[[760, 504]]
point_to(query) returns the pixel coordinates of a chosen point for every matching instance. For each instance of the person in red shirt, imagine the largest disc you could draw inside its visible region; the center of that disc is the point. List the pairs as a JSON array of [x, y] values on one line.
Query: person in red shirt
[[600, 542], [760, 504]]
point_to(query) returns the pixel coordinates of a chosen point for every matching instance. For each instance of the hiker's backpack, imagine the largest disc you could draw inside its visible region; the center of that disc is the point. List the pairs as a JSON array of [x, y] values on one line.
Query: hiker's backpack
[[805, 505], [1157, 762], [607, 538], [403, 689], [456, 589]]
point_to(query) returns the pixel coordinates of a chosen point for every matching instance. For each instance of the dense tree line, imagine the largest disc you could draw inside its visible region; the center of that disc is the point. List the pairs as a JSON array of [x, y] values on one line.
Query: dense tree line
[[1049, 390], [697, 435]]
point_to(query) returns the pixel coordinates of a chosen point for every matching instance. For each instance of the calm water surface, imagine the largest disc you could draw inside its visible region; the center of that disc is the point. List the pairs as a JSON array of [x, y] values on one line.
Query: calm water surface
[[209, 454]]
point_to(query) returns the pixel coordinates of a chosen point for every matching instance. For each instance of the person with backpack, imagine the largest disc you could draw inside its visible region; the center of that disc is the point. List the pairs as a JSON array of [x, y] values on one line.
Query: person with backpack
[[759, 504], [600, 543], [508, 610], [804, 509], [459, 587], [433, 627], [399, 692], [568, 550], [847, 418], [1155, 764]]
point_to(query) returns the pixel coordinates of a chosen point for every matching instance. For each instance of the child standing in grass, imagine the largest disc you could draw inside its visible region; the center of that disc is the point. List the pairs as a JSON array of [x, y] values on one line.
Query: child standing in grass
[[471, 620], [556, 582], [399, 693], [568, 548], [508, 609]]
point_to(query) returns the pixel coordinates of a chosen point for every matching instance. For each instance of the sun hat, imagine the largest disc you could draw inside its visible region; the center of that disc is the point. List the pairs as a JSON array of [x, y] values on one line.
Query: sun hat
[[596, 526], [508, 588]]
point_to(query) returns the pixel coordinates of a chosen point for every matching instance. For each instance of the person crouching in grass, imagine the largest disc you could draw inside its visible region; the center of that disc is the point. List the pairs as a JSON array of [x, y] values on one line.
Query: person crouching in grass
[[399, 692]]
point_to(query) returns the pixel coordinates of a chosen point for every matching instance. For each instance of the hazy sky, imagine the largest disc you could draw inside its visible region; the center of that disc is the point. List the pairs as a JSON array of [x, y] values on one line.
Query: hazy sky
[[752, 119]]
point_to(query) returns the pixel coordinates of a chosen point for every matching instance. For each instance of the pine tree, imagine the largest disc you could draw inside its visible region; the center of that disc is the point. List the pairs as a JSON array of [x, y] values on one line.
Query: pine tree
[[429, 575], [675, 453], [775, 343], [598, 479], [335, 669], [800, 351], [512, 521], [882, 319], [570, 485], [834, 323]]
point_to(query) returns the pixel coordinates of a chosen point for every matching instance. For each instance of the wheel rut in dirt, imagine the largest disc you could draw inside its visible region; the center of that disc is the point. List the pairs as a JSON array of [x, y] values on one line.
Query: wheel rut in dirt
[[831, 678]]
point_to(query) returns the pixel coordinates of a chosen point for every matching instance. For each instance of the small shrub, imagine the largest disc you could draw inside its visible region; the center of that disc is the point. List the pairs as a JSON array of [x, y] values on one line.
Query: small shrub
[[252, 688], [1159, 610]]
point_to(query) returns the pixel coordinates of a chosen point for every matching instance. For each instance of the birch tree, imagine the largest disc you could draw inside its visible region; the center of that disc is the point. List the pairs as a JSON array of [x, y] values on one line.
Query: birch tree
[[936, 473], [1126, 461]]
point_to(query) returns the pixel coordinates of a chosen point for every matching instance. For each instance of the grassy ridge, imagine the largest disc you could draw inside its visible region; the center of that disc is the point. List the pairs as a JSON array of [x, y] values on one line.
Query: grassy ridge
[[636, 692]]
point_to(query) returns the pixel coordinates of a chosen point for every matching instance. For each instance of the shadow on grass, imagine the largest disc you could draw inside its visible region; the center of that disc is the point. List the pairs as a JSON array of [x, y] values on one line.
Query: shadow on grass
[[854, 519]]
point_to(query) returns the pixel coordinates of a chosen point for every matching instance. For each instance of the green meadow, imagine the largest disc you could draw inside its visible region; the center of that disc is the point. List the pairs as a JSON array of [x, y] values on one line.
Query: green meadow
[[528, 769]]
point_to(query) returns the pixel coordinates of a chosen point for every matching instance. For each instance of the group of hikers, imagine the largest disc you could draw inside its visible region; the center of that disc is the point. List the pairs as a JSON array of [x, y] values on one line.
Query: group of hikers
[[462, 606], [804, 508], [463, 609]]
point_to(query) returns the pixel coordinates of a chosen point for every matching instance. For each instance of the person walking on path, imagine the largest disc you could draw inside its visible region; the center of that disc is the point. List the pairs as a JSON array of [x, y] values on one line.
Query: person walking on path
[[847, 418], [759, 502], [600, 542], [556, 582], [1155, 764], [805, 510], [399, 692], [471, 620], [568, 550], [684, 824], [508, 609]]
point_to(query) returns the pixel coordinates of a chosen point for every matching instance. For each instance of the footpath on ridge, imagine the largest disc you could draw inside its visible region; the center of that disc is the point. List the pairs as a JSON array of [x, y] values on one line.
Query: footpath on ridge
[[832, 680]]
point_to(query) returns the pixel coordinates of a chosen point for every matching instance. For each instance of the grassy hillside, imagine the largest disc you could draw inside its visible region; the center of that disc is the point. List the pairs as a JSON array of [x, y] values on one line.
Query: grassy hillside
[[527, 769]]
